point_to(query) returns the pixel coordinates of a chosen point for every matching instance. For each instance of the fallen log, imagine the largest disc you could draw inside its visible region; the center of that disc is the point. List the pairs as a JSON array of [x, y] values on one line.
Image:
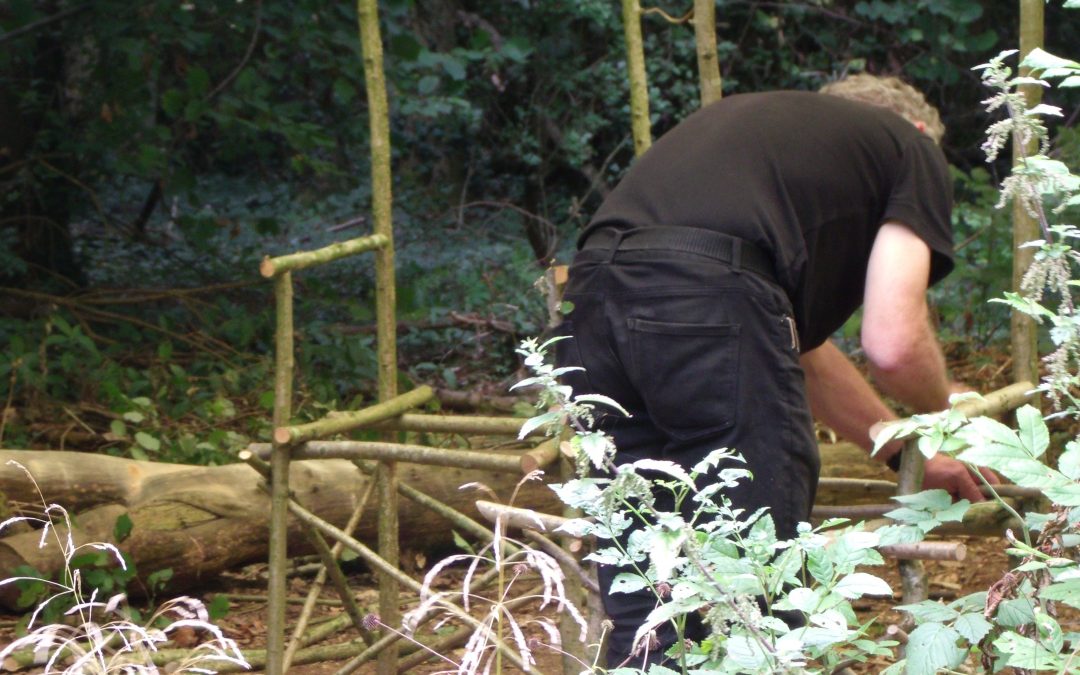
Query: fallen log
[[200, 521]]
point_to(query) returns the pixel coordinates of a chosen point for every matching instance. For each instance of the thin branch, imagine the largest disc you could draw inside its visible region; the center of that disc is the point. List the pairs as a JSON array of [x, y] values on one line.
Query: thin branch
[[111, 317], [685, 18], [247, 54], [507, 205], [41, 23]]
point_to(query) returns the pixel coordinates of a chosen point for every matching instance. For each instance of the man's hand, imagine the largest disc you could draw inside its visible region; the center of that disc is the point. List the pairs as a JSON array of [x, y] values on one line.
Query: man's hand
[[954, 477]]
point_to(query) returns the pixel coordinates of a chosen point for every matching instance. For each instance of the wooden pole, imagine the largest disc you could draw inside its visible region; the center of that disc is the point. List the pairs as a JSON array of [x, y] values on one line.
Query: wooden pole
[[705, 41], [540, 457], [926, 550], [386, 320], [509, 462], [1000, 401], [913, 577], [341, 584], [457, 518], [279, 480], [995, 403], [271, 267], [640, 123], [387, 568], [342, 422], [312, 598], [381, 194], [519, 518], [1025, 228], [328, 558], [456, 424]]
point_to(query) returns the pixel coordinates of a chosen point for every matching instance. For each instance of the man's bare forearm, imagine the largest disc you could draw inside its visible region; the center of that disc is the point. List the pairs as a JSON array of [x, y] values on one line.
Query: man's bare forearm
[[841, 397]]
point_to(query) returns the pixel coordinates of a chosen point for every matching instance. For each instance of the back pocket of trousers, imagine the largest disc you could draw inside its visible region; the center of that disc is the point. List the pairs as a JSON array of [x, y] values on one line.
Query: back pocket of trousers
[[687, 374]]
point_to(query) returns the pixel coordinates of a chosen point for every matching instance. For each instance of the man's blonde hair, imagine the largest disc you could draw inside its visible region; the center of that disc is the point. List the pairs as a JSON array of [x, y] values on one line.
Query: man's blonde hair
[[891, 93]]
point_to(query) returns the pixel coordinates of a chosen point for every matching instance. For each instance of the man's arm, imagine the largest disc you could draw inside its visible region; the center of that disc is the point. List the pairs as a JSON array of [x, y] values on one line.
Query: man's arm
[[904, 355], [841, 398], [902, 350]]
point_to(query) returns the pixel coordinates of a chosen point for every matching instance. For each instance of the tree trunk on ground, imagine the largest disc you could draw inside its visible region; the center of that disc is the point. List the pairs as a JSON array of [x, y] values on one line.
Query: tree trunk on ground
[[200, 521]]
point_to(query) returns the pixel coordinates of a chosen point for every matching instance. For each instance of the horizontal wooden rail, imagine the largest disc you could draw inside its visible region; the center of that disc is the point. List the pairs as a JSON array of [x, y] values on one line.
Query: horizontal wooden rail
[[860, 511], [509, 462], [272, 267], [455, 424], [860, 486], [540, 456], [519, 518], [340, 422], [995, 403], [999, 401], [926, 550], [527, 519]]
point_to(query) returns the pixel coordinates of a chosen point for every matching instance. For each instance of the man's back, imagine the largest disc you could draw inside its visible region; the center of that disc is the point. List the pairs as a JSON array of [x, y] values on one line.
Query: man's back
[[805, 176]]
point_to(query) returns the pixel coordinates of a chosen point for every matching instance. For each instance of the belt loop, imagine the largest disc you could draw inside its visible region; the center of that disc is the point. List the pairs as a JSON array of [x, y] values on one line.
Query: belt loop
[[616, 242], [736, 255]]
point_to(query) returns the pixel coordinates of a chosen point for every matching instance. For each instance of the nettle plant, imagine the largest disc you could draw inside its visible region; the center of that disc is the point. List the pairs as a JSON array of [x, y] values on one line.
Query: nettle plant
[[1015, 623], [719, 561]]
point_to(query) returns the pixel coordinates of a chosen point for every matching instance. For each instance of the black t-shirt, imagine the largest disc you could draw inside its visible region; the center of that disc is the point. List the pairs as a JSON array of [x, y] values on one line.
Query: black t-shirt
[[807, 177]]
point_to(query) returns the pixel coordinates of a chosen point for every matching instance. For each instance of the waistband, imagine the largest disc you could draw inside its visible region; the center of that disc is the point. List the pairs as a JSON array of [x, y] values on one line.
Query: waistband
[[738, 253]]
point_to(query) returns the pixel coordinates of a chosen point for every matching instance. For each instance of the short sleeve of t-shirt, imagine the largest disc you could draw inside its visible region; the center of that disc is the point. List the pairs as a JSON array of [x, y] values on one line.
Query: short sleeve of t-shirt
[[919, 201]]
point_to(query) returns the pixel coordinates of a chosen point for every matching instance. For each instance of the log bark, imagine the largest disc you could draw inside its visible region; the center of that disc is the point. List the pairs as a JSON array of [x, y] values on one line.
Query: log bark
[[200, 521], [79, 481]]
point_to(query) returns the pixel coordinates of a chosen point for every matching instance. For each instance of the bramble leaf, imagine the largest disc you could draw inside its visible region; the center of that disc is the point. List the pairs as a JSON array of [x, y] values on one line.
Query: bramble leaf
[[931, 647], [860, 583], [973, 627]]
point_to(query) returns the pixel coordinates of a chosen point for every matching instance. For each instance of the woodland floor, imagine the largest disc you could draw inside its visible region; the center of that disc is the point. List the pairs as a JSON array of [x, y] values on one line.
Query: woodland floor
[[245, 621], [985, 564]]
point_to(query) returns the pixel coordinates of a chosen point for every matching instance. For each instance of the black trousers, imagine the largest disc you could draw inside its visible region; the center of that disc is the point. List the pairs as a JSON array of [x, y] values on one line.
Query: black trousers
[[704, 356]]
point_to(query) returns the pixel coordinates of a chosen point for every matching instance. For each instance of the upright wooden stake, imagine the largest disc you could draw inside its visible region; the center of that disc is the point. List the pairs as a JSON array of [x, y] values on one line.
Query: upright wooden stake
[[705, 40], [909, 481], [639, 86], [1025, 228], [381, 202], [279, 477]]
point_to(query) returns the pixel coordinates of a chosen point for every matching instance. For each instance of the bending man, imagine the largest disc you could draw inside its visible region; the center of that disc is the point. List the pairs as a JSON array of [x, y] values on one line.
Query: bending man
[[708, 283]]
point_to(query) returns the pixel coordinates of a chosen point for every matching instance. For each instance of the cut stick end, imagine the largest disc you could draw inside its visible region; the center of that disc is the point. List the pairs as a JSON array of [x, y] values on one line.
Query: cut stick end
[[528, 464]]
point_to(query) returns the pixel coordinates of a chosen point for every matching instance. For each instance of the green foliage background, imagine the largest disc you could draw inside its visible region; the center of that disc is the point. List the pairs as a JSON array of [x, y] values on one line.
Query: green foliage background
[[169, 145]]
